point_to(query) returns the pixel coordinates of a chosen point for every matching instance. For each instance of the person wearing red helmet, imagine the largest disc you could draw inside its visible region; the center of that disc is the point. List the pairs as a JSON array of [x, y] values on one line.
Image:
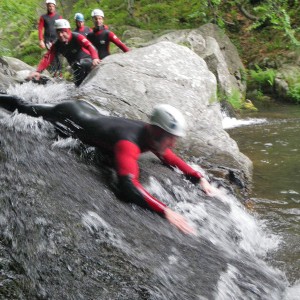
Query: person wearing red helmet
[[101, 36], [125, 140], [79, 52]]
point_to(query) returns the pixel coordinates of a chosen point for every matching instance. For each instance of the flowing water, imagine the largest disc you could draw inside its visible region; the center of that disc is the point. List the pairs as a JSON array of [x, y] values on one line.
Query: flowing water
[[65, 235], [270, 138]]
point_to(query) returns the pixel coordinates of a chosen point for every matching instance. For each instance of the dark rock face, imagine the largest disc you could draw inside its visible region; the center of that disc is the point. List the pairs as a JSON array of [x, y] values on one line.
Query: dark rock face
[[65, 235]]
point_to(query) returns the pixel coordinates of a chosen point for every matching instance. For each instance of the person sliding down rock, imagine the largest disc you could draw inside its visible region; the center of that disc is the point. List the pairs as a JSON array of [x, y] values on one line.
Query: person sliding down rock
[[126, 140]]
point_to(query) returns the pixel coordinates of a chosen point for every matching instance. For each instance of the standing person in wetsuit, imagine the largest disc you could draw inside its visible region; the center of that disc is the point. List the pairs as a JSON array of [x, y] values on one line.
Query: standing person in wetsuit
[[80, 27], [79, 52], [101, 36], [126, 140], [47, 33]]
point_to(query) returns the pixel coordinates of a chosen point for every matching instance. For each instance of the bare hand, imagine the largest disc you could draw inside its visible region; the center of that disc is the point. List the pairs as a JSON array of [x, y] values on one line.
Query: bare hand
[[42, 44], [34, 75], [179, 221], [206, 187], [96, 62]]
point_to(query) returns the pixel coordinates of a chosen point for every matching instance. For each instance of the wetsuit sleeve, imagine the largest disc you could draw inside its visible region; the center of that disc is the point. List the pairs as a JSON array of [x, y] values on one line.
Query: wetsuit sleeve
[[126, 155], [113, 38], [87, 46], [47, 59], [41, 28], [170, 158]]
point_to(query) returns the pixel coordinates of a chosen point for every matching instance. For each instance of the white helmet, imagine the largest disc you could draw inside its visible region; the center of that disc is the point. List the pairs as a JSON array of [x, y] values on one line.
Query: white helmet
[[51, 2], [97, 12], [169, 119], [61, 24]]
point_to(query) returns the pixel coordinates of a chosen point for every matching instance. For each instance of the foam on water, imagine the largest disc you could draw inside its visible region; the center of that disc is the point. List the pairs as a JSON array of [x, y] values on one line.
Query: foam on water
[[226, 223], [293, 292], [41, 93], [228, 122], [24, 123], [229, 228]]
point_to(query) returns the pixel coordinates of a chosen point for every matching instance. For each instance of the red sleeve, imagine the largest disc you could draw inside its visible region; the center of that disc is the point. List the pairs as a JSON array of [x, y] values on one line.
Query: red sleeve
[[41, 28], [113, 38], [47, 59], [87, 46], [172, 159], [126, 156]]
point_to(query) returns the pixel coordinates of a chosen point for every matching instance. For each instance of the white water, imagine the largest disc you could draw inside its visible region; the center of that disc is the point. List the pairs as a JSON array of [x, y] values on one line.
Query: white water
[[226, 223], [228, 122], [234, 230]]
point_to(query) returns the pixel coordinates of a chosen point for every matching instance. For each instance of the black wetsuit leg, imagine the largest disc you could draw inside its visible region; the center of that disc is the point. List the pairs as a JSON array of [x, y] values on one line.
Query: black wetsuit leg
[[12, 103], [81, 70], [71, 118]]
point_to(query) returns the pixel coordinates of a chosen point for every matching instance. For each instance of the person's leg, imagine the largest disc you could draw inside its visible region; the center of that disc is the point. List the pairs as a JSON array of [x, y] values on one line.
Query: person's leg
[[81, 69], [12, 103], [72, 118]]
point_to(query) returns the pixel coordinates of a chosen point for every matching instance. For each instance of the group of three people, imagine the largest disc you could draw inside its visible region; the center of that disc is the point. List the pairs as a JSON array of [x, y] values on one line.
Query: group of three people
[[82, 48]]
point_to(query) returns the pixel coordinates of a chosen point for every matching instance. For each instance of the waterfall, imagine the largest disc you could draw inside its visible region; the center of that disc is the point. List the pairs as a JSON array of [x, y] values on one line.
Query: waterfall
[[65, 235]]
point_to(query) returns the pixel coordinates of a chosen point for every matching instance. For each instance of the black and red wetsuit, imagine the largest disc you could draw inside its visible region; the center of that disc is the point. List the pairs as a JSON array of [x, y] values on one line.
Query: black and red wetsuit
[[101, 38], [79, 53], [125, 139], [84, 30], [47, 33], [46, 27]]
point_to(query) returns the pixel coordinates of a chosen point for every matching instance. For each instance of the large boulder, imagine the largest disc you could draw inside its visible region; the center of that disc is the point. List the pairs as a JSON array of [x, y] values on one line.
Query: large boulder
[[131, 84], [14, 71], [211, 44]]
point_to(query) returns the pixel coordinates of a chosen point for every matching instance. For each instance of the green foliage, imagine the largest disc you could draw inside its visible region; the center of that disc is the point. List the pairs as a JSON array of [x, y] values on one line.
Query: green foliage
[[294, 92], [275, 14], [235, 99], [261, 79], [293, 87], [19, 18]]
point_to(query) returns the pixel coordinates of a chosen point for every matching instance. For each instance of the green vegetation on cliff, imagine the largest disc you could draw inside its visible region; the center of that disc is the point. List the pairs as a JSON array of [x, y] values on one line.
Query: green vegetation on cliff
[[250, 23]]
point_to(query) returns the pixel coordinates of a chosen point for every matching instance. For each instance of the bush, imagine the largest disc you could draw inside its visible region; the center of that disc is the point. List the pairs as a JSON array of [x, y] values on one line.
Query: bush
[[235, 99], [294, 92], [261, 79]]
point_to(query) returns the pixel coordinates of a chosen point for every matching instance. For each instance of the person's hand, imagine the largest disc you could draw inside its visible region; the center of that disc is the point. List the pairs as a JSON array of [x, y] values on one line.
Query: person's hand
[[48, 45], [206, 187], [42, 44], [179, 221], [96, 62], [34, 76]]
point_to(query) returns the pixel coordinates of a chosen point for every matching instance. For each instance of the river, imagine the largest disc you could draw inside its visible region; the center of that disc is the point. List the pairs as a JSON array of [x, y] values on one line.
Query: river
[[270, 138]]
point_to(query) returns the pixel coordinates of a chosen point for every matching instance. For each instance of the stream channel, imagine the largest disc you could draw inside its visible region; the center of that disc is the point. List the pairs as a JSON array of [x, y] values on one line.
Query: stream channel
[[270, 138]]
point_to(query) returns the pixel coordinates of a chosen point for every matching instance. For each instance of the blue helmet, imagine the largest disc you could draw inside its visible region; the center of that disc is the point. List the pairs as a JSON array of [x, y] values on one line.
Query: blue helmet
[[79, 17]]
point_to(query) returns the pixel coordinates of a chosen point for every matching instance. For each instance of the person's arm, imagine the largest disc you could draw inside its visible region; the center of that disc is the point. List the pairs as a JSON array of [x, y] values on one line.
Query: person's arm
[[88, 48], [126, 156], [113, 38], [41, 32], [43, 64], [46, 60], [170, 158]]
